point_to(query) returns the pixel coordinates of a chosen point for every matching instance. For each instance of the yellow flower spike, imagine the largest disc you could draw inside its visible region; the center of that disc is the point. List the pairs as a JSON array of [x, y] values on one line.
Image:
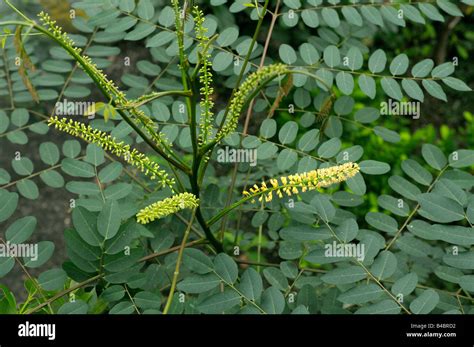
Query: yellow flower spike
[[108, 143], [246, 89], [305, 181], [166, 207]]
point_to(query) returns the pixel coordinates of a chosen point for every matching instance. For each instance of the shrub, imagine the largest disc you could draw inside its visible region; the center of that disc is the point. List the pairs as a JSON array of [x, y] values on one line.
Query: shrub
[[171, 212]]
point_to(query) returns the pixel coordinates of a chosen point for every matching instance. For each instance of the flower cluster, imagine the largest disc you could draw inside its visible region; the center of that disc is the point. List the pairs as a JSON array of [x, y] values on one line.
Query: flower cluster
[[69, 45], [166, 207], [96, 74], [205, 76], [120, 149], [253, 81], [303, 182]]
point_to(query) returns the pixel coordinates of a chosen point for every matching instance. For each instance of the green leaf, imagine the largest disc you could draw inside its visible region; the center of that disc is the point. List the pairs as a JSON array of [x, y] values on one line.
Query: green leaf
[[85, 224], [449, 8], [361, 294], [451, 190], [431, 12], [425, 303], [49, 153], [368, 86], [276, 278], [71, 148], [367, 115], [357, 184], [423, 68], [434, 156], [310, 18], [147, 300], [347, 230], [345, 275], [197, 261], [331, 17], [21, 230], [332, 56], [372, 14], [329, 148], [467, 283], [226, 268], [28, 189], [113, 293], [110, 172], [53, 279], [286, 159], [124, 307], [377, 61], [417, 172], [345, 82], [387, 134], [273, 301], [413, 246], [251, 285], [309, 140], [405, 285], [456, 84], [288, 132], [9, 204], [219, 303], [396, 206], [20, 117], [404, 187], [84, 250], [439, 209], [443, 70], [461, 158], [287, 54], [324, 207], [352, 16], [228, 36], [94, 154], [75, 307], [196, 284], [435, 90], [449, 274], [6, 265], [23, 166], [392, 88], [463, 261], [145, 9], [309, 54], [413, 90], [399, 65], [52, 178], [382, 222], [45, 251], [126, 234], [384, 266], [373, 167], [383, 307], [77, 168], [455, 234], [109, 219], [412, 13], [141, 31]]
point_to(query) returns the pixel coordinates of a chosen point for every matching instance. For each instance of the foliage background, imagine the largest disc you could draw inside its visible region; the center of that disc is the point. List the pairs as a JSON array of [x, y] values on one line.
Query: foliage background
[[265, 234]]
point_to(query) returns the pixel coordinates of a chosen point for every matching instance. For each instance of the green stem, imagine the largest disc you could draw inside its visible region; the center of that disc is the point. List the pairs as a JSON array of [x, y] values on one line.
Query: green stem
[[178, 264]]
